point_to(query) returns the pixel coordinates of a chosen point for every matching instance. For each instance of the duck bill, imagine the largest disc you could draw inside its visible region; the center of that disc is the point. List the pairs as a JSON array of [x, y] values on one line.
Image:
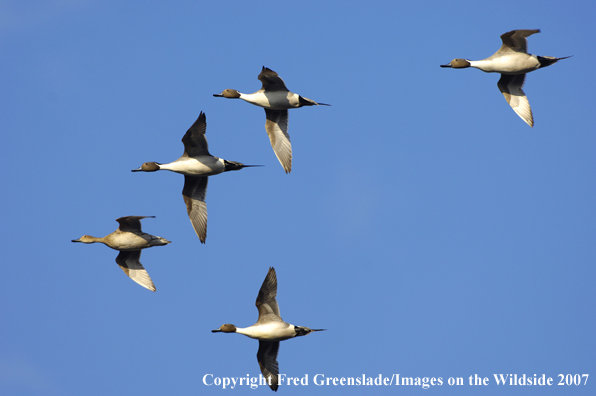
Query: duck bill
[[139, 169], [218, 95], [447, 65], [216, 331], [76, 240]]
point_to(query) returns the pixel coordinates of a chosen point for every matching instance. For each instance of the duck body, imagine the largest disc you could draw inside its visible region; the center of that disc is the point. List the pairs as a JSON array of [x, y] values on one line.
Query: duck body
[[129, 240], [128, 236], [272, 100], [276, 99], [510, 63], [270, 329], [196, 164], [513, 63]]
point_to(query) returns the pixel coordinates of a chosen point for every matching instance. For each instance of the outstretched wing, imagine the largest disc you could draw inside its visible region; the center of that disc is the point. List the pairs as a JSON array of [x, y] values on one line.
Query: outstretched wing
[[130, 264], [515, 40], [277, 129], [194, 140], [267, 358], [511, 88], [194, 193], [131, 223], [266, 300], [271, 80]]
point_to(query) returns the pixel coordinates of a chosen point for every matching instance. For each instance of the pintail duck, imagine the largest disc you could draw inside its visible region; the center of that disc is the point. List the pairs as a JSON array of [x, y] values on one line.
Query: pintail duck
[[276, 99], [270, 329], [513, 62], [196, 164], [130, 240]]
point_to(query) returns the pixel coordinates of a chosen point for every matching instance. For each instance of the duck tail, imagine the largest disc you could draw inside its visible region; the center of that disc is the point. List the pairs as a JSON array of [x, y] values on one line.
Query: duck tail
[[309, 102], [233, 165], [549, 60]]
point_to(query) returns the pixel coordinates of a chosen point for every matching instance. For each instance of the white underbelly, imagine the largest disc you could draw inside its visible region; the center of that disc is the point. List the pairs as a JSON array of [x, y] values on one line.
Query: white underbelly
[[273, 331], [277, 100], [201, 166], [509, 64]]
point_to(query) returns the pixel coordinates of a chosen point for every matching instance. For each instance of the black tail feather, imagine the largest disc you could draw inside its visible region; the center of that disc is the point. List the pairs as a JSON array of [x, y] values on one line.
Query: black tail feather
[[549, 60]]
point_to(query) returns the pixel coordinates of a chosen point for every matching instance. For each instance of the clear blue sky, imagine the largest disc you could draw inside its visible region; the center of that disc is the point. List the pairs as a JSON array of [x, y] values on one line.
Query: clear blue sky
[[424, 224]]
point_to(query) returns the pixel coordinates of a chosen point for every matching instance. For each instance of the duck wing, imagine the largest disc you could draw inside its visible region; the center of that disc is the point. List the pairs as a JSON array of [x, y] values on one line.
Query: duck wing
[[266, 300], [515, 40], [277, 129], [267, 358], [271, 80], [130, 264], [194, 193], [131, 223], [194, 140], [511, 87]]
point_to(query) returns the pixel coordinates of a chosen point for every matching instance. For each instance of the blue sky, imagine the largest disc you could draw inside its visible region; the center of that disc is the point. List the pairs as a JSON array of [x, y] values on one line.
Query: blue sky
[[424, 224]]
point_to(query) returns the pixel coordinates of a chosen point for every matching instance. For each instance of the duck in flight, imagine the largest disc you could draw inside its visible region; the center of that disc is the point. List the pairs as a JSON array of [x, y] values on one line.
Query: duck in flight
[[196, 164], [129, 240], [513, 62], [270, 329], [276, 99]]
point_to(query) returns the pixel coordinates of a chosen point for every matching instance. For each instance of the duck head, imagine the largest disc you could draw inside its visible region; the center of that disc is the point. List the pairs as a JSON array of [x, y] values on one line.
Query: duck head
[[458, 63], [147, 167], [228, 93], [226, 328], [86, 239]]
